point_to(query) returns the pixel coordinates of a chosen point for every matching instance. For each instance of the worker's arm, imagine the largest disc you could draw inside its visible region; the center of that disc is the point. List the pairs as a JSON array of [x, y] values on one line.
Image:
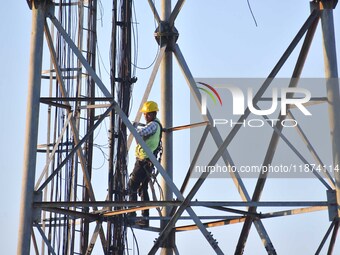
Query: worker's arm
[[148, 130]]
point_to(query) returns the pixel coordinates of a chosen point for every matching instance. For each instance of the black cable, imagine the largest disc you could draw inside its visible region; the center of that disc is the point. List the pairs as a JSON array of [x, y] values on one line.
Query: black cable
[[135, 239], [125, 236], [161, 194], [135, 37], [137, 48], [100, 60], [251, 11], [147, 67]]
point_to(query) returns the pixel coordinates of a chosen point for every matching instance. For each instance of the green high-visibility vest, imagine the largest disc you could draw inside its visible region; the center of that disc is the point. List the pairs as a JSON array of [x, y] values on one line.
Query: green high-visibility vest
[[151, 141]]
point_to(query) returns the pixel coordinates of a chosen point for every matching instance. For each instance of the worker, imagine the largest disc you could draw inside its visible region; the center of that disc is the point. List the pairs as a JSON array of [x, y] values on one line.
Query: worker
[[141, 174]]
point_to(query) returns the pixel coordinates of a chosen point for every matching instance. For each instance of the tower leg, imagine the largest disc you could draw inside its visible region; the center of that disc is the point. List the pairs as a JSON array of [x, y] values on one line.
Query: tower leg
[[331, 74], [167, 121], [32, 123]]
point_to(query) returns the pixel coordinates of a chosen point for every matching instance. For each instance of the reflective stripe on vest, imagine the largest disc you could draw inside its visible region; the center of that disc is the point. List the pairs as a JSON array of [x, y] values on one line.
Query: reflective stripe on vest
[[151, 141]]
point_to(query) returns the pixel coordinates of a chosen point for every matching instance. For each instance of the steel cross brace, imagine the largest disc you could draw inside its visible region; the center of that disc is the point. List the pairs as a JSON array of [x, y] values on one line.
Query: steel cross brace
[[310, 22], [129, 125], [324, 239], [148, 89], [216, 135], [262, 232], [44, 237], [75, 134], [173, 14], [208, 236], [219, 142], [257, 97], [312, 17], [191, 82]]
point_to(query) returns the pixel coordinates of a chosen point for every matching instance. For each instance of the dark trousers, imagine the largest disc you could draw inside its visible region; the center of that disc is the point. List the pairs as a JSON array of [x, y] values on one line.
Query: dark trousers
[[139, 180]]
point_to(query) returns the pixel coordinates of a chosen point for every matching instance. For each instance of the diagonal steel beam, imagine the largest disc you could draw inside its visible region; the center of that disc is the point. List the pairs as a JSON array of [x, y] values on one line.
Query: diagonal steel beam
[[128, 124], [148, 90], [79, 55], [292, 46], [297, 153], [274, 72], [77, 147], [313, 152], [72, 121], [96, 231], [44, 237], [311, 22], [166, 231], [324, 239], [219, 142], [55, 148], [75, 131], [35, 245], [214, 132], [195, 158], [87, 178], [333, 238], [175, 12], [193, 162], [73, 125], [176, 250], [154, 11]]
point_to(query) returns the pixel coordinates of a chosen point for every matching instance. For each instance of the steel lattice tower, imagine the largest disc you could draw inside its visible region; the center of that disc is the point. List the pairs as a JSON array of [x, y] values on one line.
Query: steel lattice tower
[[59, 204]]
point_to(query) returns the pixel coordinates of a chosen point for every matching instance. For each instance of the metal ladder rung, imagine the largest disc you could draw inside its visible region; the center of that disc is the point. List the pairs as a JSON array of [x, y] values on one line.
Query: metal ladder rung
[[87, 29], [89, 7], [85, 51]]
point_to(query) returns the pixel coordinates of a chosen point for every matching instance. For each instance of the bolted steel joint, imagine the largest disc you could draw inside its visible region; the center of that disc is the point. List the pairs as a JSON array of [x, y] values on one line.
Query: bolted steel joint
[[37, 197], [166, 34]]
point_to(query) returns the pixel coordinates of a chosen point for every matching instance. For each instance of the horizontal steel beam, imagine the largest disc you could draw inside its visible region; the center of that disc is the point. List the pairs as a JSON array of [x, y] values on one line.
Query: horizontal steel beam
[[234, 220], [178, 203], [212, 224], [75, 99], [293, 212], [72, 213]]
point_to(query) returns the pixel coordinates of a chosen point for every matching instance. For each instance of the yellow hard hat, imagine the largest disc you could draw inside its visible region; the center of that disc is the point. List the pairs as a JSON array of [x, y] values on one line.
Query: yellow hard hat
[[149, 106]]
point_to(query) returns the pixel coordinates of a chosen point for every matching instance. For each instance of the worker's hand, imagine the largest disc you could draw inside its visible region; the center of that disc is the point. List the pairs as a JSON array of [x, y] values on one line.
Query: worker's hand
[[137, 124]]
